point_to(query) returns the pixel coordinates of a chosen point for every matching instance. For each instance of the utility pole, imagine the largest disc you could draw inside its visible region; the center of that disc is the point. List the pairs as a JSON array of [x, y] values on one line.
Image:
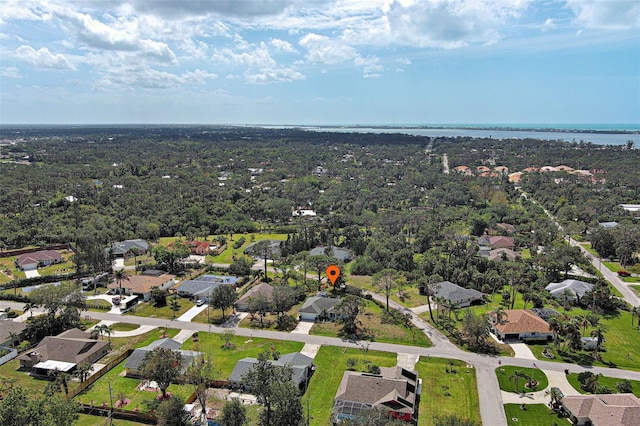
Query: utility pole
[[111, 399]]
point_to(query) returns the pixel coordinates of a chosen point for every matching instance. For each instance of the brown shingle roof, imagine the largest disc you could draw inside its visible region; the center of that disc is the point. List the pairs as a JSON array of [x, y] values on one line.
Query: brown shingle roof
[[142, 283], [72, 346], [263, 289], [394, 389], [609, 410], [521, 321]]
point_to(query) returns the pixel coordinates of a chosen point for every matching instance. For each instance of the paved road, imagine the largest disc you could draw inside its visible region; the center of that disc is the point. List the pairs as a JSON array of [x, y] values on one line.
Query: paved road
[[491, 402], [627, 293]]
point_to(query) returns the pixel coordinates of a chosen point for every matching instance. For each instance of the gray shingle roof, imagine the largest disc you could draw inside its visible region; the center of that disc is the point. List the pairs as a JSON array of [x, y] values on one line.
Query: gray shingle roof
[[298, 362], [454, 293], [577, 288], [316, 304]]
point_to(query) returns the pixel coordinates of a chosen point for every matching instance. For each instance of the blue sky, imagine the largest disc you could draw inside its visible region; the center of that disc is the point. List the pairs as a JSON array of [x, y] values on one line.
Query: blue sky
[[320, 61]]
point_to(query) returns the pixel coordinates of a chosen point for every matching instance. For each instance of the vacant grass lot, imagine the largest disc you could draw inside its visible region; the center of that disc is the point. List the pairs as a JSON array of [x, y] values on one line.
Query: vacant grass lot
[[610, 382], [382, 332], [534, 415], [225, 360], [507, 381], [452, 392], [146, 309], [331, 363], [227, 255]]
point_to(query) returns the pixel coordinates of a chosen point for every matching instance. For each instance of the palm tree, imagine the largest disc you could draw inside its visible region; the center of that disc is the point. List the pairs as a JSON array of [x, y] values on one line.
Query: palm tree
[[517, 374], [598, 334], [556, 326], [499, 315], [102, 329], [635, 313], [120, 276], [29, 307], [556, 396], [107, 330], [14, 337]]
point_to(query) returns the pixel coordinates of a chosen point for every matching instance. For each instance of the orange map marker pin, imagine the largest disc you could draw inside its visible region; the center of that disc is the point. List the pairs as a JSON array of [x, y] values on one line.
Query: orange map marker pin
[[333, 272]]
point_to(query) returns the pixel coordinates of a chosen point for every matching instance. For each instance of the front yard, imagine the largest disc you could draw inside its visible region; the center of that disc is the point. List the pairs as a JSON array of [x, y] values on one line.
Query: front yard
[[448, 387], [532, 415], [331, 363], [382, 331]]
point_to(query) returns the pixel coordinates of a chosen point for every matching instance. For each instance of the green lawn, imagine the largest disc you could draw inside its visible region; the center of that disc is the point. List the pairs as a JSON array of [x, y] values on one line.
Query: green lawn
[[331, 363], [636, 289], [123, 326], [225, 360], [610, 382], [533, 415], [145, 309], [621, 343], [452, 392], [383, 332], [227, 255], [87, 420], [125, 387], [508, 384]]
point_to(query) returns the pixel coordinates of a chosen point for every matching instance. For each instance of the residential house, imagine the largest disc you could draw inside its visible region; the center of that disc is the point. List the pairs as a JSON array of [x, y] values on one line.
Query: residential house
[[318, 307], [501, 254], [301, 366], [141, 285], [506, 227], [38, 259], [522, 325], [63, 352], [123, 248], [259, 290], [10, 328], [603, 410], [545, 313], [608, 225], [453, 293], [500, 241], [134, 362], [200, 248], [569, 289], [343, 255], [203, 286], [395, 389]]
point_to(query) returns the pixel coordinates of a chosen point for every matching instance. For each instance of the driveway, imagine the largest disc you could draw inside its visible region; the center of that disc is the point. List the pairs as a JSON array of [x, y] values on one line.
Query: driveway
[[118, 264], [191, 313], [521, 350], [303, 327]]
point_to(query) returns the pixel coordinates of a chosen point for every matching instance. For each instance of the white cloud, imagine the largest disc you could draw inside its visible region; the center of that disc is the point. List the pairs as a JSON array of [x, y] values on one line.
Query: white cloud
[[404, 61], [121, 35], [325, 50], [42, 58], [10, 72], [449, 24], [282, 45], [140, 76], [272, 75], [257, 58], [608, 15], [236, 8]]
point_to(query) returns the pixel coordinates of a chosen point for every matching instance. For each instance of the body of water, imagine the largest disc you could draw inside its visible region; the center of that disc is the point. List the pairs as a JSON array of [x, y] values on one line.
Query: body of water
[[601, 134], [567, 136]]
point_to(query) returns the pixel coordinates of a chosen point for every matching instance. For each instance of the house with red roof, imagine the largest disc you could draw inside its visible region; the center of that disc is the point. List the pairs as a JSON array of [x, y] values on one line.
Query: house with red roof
[[38, 259], [521, 324], [196, 247]]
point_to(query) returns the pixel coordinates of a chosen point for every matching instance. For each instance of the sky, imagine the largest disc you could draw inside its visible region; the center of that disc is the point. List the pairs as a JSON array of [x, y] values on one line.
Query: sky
[[319, 62]]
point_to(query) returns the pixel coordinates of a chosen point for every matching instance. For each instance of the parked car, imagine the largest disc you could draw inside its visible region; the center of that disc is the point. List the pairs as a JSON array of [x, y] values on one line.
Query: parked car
[[116, 300], [624, 273], [200, 302]]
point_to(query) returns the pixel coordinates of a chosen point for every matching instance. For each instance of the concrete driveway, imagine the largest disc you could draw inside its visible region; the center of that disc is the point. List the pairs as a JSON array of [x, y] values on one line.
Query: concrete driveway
[[191, 313], [303, 327], [521, 350]]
